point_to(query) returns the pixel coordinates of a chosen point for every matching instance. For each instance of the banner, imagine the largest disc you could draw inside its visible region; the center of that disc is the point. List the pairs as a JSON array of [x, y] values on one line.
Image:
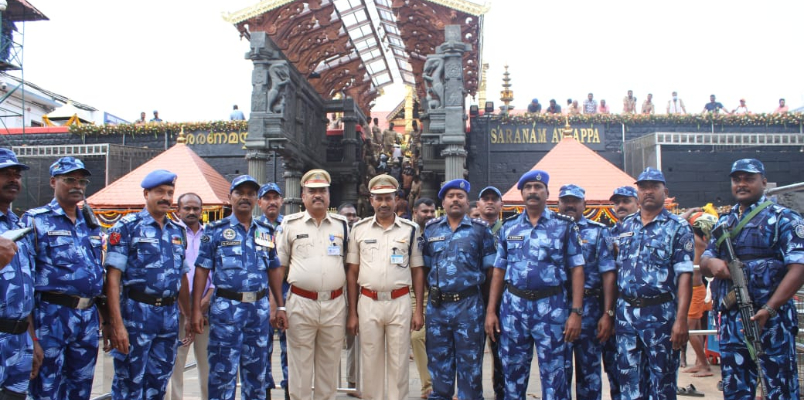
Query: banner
[[541, 137]]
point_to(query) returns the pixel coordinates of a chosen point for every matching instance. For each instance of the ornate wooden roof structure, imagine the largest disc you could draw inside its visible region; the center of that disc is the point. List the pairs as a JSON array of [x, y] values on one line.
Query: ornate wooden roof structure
[[359, 46]]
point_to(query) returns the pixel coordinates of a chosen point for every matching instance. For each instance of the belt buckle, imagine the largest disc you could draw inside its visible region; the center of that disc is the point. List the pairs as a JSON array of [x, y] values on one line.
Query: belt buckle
[[158, 302], [638, 302], [248, 297], [384, 296], [324, 296], [83, 303]]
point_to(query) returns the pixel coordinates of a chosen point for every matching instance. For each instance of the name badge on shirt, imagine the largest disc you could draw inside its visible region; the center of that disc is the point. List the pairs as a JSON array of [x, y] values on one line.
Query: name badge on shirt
[[333, 250], [59, 233], [370, 241], [148, 240], [396, 259], [436, 239], [520, 238], [626, 234]]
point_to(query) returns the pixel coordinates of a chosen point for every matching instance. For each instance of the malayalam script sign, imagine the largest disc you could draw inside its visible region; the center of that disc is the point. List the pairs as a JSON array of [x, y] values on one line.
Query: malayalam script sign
[[541, 137]]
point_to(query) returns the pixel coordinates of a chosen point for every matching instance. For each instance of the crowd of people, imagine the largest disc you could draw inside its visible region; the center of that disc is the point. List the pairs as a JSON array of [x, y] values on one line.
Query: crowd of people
[[582, 294], [674, 106]]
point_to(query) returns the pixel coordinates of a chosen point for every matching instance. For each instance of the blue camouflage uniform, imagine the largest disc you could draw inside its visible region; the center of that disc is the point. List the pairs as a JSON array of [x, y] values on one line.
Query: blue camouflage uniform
[[649, 262], [68, 267], [151, 260], [16, 304], [283, 341], [771, 241], [238, 338], [610, 346], [538, 259], [458, 262], [597, 253]]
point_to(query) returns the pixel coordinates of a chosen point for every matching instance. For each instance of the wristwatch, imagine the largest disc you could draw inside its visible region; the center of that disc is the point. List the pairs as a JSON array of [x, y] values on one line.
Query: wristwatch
[[610, 313], [578, 311], [771, 311]]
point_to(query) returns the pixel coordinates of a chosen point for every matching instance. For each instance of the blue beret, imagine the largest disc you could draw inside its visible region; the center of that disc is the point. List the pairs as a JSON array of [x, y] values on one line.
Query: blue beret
[[535, 175], [9, 159], [65, 165], [243, 179], [534, 101], [651, 174], [269, 187], [750, 165], [626, 191], [158, 177], [572, 190], [454, 184], [492, 188]]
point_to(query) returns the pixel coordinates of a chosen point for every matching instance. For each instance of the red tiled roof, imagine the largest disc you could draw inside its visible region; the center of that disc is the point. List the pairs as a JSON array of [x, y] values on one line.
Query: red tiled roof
[[572, 162], [194, 175]]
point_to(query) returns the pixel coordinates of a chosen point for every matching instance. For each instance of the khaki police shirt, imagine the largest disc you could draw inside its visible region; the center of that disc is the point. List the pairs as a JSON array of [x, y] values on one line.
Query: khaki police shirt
[[303, 248], [371, 247]]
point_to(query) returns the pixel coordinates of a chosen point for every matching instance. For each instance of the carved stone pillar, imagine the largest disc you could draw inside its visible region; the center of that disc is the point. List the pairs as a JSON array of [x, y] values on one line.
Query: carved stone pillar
[[455, 159], [350, 140], [430, 185], [348, 185], [455, 117], [294, 170]]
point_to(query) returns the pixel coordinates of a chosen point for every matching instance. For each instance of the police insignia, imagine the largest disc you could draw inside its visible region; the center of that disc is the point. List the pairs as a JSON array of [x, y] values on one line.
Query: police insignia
[[229, 234], [689, 245], [205, 239], [800, 229], [114, 238], [176, 240]]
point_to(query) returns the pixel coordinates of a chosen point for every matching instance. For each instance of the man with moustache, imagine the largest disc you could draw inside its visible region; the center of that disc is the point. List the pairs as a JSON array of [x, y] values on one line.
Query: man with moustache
[[423, 211], [69, 278], [771, 244], [16, 290], [459, 252], [539, 259], [270, 201], [239, 252], [312, 245], [654, 278], [145, 277], [384, 260], [625, 203], [599, 293], [189, 209], [489, 203]]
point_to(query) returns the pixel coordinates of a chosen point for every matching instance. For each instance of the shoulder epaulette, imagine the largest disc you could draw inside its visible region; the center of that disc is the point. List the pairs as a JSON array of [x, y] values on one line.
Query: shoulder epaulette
[[597, 224], [480, 221], [261, 222], [130, 218], [292, 217], [362, 221], [339, 217], [38, 210], [510, 218], [408, 222], [564, 217], [434, 220], [217, 224]]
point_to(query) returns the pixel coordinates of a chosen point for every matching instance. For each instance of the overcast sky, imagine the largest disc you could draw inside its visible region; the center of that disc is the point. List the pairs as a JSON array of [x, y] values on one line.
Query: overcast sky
[[182, 58]]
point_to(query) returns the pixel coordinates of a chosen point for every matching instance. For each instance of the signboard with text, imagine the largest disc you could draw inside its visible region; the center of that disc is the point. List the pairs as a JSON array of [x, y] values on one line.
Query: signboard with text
[[541, 137]]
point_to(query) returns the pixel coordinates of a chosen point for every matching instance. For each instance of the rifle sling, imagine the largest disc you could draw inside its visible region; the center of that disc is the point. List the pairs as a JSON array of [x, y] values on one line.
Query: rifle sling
[[746, 218]]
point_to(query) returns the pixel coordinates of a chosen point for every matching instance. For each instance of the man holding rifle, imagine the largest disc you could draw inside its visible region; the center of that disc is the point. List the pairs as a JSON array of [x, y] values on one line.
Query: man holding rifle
[[764, 242]]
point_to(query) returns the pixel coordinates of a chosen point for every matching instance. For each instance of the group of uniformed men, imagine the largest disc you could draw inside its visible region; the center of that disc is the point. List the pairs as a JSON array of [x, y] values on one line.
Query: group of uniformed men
[[568, 286]]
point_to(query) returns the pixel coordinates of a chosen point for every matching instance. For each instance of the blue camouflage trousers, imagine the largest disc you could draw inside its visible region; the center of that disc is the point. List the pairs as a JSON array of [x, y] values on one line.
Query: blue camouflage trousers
[[647, 363], [779, 368], [153, 334], [283, 348], [69, 340], [16, 357], [238, 338], [610, 366], [525, 323], [586, 352], [455, 340]]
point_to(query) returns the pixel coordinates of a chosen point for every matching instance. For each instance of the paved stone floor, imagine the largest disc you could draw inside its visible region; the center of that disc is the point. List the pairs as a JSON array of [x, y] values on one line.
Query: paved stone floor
[[706, 385]]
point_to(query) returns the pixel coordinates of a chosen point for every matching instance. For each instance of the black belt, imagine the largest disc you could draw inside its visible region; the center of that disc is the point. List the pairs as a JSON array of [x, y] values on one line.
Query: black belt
[[13, 326], [758, 257], [80, 303], [533, 294], [451, 297], [592, 292], [12, 395], [243, 297], [150, 299], [642, 302]]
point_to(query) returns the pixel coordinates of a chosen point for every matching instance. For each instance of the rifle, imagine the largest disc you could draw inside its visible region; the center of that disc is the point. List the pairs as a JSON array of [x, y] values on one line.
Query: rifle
[[743, 301]]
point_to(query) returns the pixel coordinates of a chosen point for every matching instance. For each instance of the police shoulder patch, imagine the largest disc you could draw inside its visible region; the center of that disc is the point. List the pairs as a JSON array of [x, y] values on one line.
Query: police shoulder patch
[[688, 241], [434, 220], [205, 238], [798, 228]]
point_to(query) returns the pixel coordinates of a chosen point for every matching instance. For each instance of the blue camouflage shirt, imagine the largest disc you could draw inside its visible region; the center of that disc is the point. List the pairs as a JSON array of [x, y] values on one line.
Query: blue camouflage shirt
[[597, 252], [151, 258], [16, 282], [239, 259], [460, 259], [538, 257], [767, 244], [68, 255], [651, 257]]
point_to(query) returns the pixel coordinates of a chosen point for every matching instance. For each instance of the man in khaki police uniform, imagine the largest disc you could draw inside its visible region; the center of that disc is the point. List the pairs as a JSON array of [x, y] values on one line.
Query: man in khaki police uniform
[[384, 260], [311, 244]]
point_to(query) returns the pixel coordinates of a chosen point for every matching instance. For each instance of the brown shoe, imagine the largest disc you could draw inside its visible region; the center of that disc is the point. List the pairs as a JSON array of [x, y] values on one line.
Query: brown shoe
[[426, 393]]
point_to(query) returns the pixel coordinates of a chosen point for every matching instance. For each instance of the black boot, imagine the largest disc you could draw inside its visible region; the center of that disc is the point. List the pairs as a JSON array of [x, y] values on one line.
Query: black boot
[[287, 394]]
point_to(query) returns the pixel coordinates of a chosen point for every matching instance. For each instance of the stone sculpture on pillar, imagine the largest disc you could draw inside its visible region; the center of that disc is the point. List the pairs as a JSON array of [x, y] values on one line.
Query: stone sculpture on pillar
[[433, 75], [279, 76]]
